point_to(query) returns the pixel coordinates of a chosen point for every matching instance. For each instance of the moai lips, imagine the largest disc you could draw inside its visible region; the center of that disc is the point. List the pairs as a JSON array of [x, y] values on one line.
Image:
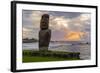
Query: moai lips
[[44, 33]]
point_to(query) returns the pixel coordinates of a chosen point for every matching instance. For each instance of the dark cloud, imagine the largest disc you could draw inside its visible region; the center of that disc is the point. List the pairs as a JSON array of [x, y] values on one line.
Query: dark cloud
[[66, 14]]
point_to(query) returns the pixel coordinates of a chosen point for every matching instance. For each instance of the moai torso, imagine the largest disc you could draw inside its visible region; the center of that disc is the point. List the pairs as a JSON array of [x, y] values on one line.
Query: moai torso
[[44, 33]]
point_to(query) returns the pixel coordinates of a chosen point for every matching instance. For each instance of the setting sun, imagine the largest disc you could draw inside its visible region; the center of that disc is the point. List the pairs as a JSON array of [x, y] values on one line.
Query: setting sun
[[74, 36]]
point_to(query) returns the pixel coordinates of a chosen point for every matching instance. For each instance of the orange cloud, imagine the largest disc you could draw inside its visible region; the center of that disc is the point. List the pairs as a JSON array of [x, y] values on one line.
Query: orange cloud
[[74, 35]]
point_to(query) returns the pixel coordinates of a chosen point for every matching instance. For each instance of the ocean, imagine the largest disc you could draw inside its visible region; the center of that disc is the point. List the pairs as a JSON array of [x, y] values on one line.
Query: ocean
[[84, 49]]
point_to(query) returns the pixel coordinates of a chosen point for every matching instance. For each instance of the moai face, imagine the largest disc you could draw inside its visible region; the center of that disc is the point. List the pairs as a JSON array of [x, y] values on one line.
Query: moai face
[[44, 24]]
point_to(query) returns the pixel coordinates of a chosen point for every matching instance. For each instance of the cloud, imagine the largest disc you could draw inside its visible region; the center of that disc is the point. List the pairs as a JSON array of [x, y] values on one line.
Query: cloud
[[30, 33], [58, 22], [85, 17], [31, 19], [36, 17], [25, 32], [61, 24], [31, 23], [80, 23]]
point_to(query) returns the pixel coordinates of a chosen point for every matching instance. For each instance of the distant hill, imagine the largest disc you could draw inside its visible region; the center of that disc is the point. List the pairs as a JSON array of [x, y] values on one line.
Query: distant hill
[[72, 42], [26, 40]]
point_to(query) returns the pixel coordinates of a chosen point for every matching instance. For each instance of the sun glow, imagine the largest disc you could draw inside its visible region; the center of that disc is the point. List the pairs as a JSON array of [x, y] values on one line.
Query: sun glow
[[74, 36]]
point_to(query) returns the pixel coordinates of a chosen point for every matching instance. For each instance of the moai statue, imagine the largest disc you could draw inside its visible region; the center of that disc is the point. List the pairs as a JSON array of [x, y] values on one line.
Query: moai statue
[[44, 33]]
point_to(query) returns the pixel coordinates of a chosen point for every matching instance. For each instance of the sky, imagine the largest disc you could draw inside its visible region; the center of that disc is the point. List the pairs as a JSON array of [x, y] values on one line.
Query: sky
[[65, 26]]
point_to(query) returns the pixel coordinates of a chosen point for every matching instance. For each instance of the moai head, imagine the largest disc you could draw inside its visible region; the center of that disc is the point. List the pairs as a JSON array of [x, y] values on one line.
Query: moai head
[[44, 24]]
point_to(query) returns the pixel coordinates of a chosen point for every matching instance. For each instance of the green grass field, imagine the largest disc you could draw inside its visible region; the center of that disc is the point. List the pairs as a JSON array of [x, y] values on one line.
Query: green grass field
[[29, 58], [43, 59]]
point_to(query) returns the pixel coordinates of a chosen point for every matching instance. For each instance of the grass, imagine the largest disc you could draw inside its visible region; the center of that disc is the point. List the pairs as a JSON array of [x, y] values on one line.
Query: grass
[[37, 56], [27, 59]]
